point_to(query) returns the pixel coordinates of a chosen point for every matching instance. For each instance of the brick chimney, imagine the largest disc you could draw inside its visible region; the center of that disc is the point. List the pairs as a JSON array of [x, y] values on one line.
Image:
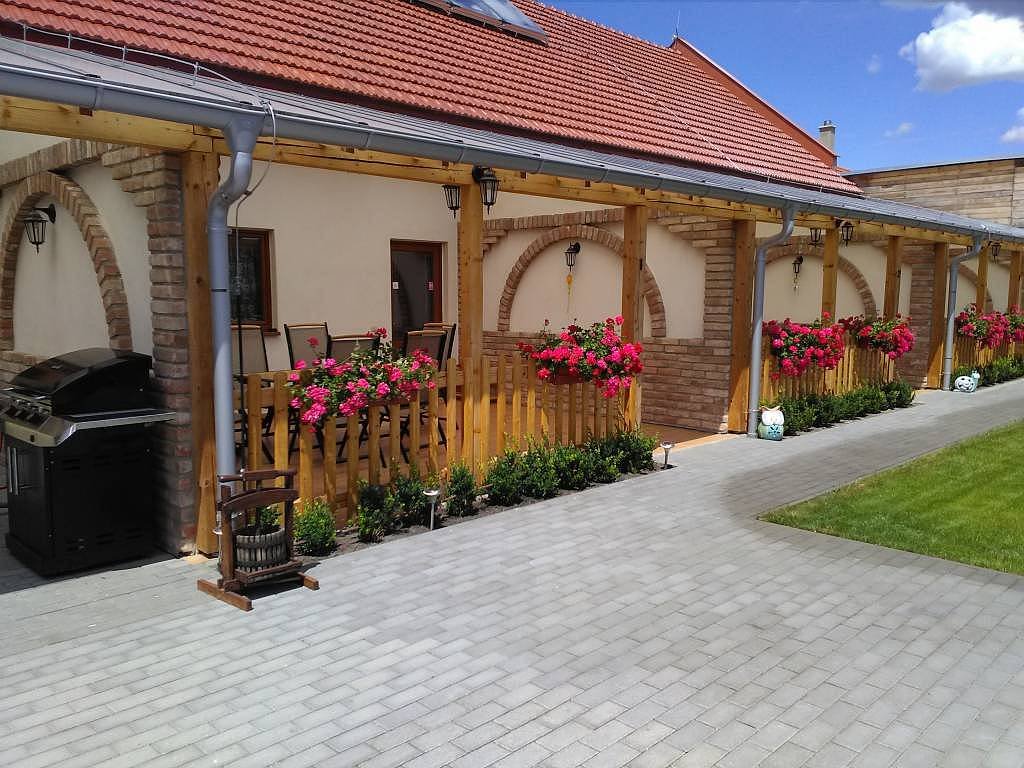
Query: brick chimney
[[827, 135]]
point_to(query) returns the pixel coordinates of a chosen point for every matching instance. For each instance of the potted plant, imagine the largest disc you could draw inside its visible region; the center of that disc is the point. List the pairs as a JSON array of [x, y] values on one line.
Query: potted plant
[[988, 329], [595, 354], [797, 346], [892, 336]]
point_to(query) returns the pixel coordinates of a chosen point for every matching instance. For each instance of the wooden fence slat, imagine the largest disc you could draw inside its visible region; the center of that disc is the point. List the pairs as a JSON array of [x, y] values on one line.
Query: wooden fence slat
[[281, 458], [481, 429], [330, 461], [587, 393], [558, 412], [573, 421], [433, 436], [305, 462], [545, 422], [414, 432], [612, 415], [394, 441], [531, 399], [499, 408], [254, 419], [517, 396], [373, 444], [451, 415], [352, 463]]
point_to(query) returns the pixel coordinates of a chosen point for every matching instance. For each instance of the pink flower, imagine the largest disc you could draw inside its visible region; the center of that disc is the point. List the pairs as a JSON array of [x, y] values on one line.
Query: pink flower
[[383, 390], [300, 365], [313, 341]]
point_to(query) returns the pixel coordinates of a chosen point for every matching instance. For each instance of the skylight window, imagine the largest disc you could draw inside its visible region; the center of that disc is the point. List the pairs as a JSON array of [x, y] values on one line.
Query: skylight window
[[494, 13]]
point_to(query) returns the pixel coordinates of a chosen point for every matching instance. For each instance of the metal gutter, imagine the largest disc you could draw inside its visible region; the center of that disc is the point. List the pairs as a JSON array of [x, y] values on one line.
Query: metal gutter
[[952, 278], [98, 83]]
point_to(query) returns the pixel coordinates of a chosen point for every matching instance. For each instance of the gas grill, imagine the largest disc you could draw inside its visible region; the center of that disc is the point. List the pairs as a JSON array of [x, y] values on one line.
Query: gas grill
[[79, 460]]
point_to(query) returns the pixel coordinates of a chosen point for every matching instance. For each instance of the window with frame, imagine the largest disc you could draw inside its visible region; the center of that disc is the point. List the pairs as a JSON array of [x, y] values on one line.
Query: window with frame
[[249, 259]]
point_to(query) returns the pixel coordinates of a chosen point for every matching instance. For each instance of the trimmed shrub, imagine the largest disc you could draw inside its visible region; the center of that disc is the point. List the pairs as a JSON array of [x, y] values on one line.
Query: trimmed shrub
[[505, 478], [898, 393], [573, 467], [537, 470], [815, 410], [315, 530], [376, 511], [411, 506], [604, 460], [462, 491], [635, 450]]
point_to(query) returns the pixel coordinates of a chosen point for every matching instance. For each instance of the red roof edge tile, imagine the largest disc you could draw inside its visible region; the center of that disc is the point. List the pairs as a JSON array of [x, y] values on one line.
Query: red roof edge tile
[[726, 79]]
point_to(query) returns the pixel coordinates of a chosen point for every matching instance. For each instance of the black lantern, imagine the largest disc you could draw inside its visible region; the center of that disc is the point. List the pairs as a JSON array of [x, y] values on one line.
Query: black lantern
[[35, 224], [453, 197], [993, 249], [570, 255], [846, 232], [488, 185], [797, 263], [815, 236]]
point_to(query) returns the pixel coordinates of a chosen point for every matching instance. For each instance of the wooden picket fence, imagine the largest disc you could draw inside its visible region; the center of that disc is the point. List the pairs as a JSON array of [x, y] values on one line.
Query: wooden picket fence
[[859, 367], [493, 403], [969, 353]]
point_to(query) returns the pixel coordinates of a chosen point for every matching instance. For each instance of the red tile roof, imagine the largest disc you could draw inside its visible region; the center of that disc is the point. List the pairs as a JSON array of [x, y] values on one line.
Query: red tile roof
[[588, 85]]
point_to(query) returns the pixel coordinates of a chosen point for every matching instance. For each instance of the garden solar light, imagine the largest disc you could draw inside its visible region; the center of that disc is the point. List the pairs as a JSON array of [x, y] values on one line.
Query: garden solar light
[[488, 185], [35, 224], [666, 446], [452, 197], [570, 255], [432, 494]]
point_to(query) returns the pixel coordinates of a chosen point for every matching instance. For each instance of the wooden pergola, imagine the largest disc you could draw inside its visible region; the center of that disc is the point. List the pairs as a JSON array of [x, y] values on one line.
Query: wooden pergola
[[201, 147]]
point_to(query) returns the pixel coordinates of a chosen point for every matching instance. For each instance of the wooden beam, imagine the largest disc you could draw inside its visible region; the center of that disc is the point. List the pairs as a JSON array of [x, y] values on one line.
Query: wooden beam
[[31, 116], [893, 262], [634, 252], [1013, 294], [742, 308], [830, 272], [199, 181], [936, 341], [981, 286], [471, 288]]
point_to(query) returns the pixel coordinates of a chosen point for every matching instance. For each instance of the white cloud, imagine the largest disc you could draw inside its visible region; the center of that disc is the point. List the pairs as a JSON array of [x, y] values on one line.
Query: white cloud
[[1016, 132], [874, 65], [969, 44], [900, 130]]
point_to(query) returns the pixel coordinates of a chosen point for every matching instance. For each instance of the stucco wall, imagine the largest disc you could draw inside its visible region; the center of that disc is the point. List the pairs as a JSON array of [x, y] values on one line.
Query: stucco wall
[[57, 302], [804, 304], [331, 245], [14, 145]]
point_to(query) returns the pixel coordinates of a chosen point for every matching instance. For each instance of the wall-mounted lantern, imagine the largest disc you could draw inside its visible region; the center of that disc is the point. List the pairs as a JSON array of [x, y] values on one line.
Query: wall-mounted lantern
[[798, 262], [488, 185], [815, 236], [35, 224], [993, 249], [570, 255], [846, 232], [452, 197]]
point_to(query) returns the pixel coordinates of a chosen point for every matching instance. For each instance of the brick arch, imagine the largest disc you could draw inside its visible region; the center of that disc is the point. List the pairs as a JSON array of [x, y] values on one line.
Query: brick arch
[[74, 201], [847, 267], [648, 284], [972, 276]]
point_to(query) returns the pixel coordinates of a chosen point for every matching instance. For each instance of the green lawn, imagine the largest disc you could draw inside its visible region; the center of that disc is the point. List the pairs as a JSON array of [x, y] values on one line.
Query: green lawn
[[963, 503]]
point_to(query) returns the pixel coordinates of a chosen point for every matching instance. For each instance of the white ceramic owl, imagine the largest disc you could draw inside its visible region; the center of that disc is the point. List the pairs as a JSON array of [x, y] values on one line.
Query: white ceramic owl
[[771, 426], [967, 383]]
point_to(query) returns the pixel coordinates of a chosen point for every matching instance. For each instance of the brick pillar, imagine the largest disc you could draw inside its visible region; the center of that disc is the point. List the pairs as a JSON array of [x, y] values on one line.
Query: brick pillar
[[914, 366]]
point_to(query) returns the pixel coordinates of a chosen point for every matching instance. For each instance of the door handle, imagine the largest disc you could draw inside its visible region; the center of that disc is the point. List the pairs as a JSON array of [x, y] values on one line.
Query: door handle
[[12, 470]]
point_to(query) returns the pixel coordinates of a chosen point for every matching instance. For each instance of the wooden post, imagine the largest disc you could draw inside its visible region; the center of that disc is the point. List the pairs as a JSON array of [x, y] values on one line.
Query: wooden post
[[471, 284], [893, 262], [830, 272], [352, 464], [981, 293], [634, 253], [305, 462], [330, 464], [1013, 295], [200, 176], [940, 265], [499, 407], [280, 424], [742, 301]]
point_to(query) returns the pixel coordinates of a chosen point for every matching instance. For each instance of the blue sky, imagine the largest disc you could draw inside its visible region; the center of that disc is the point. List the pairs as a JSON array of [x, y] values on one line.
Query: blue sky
[[956, 93]]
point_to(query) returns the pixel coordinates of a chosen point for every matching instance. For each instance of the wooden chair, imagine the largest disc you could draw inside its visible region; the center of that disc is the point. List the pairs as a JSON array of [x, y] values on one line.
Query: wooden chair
[[298, 335], [249, 355], [449, 342], [342, 347], [249, 559]]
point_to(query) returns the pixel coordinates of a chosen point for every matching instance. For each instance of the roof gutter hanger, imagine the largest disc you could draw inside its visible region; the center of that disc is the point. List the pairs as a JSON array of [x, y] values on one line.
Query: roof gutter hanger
[[761, 257], [93, 93], [951, 278]]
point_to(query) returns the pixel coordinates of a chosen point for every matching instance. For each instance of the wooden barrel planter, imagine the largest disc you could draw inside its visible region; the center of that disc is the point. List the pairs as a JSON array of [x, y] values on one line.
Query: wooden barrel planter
[[255, 551]]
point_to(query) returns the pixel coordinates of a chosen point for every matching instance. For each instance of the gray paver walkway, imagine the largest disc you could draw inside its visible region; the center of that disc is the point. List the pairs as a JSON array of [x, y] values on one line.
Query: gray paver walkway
[[654, 622]]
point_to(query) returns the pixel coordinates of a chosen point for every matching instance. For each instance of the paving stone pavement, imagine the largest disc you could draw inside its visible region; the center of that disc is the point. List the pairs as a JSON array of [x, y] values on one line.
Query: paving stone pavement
[[650, 623]]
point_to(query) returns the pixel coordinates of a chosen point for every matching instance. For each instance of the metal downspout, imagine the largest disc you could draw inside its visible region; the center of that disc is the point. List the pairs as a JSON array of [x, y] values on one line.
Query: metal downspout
[[954, 270], [754, 391], [241, 135]]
